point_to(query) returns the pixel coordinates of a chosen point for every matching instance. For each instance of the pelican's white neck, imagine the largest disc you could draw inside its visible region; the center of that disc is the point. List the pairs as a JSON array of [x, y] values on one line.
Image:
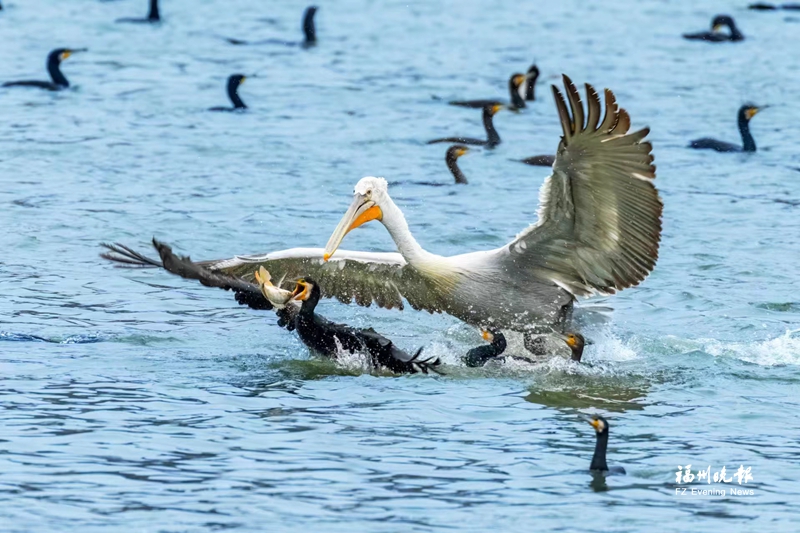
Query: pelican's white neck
[[395, 222]]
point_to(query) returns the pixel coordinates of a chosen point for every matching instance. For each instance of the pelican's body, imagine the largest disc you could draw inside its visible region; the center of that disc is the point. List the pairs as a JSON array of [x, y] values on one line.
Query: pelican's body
[[598, 232]]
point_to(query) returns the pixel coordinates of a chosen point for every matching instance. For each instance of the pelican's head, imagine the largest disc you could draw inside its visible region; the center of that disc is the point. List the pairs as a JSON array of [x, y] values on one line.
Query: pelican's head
[[369, 194]]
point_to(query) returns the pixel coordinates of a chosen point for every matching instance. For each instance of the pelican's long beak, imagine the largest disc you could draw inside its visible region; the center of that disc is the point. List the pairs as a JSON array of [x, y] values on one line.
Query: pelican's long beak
[[361, 211]]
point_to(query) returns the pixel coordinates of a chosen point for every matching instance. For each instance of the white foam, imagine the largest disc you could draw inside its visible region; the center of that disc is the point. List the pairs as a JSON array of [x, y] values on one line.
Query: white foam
[[783, 350]]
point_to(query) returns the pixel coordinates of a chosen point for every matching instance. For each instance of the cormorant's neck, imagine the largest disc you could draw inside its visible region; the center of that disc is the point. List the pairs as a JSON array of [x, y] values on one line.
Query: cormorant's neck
[[396, 224], [747, 137], [308, 26], [491, 134], [736, 35], [499, 344], [154, 15], [54, 68], [599, 458], [234, 96], [530, 92], [452, 164], [308, 306], [516, 100]]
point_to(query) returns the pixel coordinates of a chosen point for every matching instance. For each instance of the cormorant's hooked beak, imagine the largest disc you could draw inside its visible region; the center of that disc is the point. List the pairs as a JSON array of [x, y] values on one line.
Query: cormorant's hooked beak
[[753, 111], [66, 53], [487, 335], [361, 211]]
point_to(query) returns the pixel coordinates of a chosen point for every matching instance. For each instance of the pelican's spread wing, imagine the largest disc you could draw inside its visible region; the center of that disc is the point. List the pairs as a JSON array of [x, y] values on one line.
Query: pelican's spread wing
[[363, 277], [599, 221]]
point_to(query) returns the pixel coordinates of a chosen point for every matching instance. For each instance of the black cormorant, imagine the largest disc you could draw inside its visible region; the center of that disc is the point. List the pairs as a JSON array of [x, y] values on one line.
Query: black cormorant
[[746, 112], [599, 464], [530, 84], [309, 32], [152, 16], [315, 331], [480, 355], [761, 6], [492, 137], [538, 344], [451, 158], [54, 60], [233, 86], [539, 160], [330, 339], [515, 87], [716, 36]]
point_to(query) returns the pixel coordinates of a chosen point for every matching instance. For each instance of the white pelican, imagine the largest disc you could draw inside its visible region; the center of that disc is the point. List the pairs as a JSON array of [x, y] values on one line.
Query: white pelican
[[598, 232]]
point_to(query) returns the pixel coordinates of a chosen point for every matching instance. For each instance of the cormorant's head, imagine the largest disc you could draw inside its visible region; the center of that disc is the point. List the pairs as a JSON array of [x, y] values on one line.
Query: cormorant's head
[[309, 29], [533, 72], [492, 109], [517, 80], [495, 337], [368, 196], [236, 79], [720, 21], [748, 111], [305, 289], [599, 424], [60, 54], [576, 342], [456, 151]]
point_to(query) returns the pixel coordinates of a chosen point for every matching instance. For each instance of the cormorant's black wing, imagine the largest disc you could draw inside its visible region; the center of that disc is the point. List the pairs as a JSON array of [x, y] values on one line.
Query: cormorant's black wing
[[476, 104], [50, 86], [246, 293]]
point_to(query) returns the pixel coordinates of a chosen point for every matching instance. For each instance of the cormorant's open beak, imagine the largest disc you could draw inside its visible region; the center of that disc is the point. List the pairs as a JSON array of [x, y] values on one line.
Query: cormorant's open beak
[[361, 211], [301, 291]]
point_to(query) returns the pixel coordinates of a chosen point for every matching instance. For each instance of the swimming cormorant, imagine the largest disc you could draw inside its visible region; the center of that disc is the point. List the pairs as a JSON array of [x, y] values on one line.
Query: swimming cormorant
[[451, 158], [515, 87], [309, 32], [530, 84], [233, 86], [539, 345], [152, 16], [715, 36], [330, 339], [761, 6], [480, 355], [492, 137], [54, 60], [599, 464], [746, 112], [539, 160]]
